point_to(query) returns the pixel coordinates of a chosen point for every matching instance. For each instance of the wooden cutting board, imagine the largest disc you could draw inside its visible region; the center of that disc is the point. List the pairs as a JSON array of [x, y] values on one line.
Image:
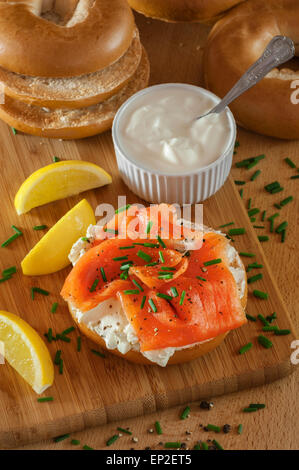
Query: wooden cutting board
[[92, 390]]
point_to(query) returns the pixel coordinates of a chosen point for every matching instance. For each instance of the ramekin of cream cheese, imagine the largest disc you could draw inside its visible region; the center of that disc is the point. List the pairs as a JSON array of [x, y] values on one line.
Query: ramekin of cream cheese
[[163, 153]]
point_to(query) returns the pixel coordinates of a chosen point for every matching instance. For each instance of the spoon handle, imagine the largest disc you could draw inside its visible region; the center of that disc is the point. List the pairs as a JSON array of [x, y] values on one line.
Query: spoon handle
[[279, 50]]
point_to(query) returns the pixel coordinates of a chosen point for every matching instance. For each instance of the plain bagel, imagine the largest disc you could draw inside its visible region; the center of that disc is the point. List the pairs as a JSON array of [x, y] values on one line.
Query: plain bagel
[[63, 38], [234, 44], [183, 10]]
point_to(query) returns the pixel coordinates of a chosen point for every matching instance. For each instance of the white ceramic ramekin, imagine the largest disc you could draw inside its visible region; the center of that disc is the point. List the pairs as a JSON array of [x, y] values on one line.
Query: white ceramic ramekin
[[155, 186]]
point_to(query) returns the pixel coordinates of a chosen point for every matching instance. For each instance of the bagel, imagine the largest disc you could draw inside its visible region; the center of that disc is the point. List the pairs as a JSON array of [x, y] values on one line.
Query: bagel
[[72, 123], [74, 92], [234, 44], [87, 325], [63, 38], [205, 11]]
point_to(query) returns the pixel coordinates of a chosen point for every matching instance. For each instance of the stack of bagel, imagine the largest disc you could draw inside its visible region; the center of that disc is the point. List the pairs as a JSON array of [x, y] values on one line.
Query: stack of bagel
[[66, 66]]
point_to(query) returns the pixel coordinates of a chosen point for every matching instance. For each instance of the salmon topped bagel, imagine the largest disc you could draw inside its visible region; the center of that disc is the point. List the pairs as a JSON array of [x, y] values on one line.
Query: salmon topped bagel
[[153, 288]]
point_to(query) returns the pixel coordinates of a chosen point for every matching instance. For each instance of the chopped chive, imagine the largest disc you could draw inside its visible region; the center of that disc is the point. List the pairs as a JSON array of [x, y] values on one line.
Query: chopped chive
[[286, 201], [61, 438], [172, 445], [122, 209], [6, 278], [124, 275], [258, 226], [247, 255], [54, 307], [212, 427], [152, 305], [241, 193], [120, 258], [245, 348], [249, 161], [125, 431], [161, 257], [253, 212], [226, 225], [144, 256], [126, 247], [282, 332], [294, 177], [271, 225], [265, 342], [165, 276], [75, 442], [272, 317], [270, 328], [259, 406], [10, 240], [131, 292], [110, 230], [272, 217], [85, 447], [201, 278], [68, 330], [263, 319], [149, 227], [79, 343], [112, 440], [236, 231], [269, 187], [276, 190], [283, 236], [98, 353], [185, 413], [240, 428], [204, 446], [85, 239], [263, 238], [44, 399], [138, 285], [252, 219], [182, 297], [164, 296], [66, 339], [237, 144], [143, 302], [165, 268], [212, 261], [94, 285], [61, 366], [174, 291], [103, 274], [281, 227], [161, 241], [197, 447], [249, 203], [154, 263], [290, 162], [14, 131], [158, 428], [40, 227], [259, 294], [125, 267], [217, 445], [56, 159], [263, 216], [9, 271], [57, 357], [38, 290], [239, 183], [49, 335], [278, 206], [250, 317], [249, 410], [255, 175]]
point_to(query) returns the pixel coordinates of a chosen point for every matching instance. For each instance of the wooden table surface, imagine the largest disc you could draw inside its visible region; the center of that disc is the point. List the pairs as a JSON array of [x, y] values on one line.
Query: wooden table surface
[[277, 426]]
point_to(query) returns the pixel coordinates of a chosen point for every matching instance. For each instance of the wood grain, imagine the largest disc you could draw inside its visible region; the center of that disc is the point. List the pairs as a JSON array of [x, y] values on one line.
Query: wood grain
[[141, 390]]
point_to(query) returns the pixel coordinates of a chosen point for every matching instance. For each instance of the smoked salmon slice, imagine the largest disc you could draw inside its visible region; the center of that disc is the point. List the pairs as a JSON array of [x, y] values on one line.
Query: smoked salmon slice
[[171, 298]]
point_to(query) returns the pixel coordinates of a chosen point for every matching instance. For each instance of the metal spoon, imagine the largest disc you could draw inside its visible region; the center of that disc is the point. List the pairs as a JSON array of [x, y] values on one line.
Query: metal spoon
[[279, 50]]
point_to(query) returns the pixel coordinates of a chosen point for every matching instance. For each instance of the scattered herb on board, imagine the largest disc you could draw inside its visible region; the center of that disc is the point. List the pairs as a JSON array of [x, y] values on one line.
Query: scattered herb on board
[[236, 231], [125, 431], [265, 342], [240, 428], [172, 445], [38, 290], [54, 307], [56, 159], [61, 438], [212, 427], [40, 227], [45, 399], [245, 348], [226, 225], [112, 440], [260, 294], [158, 428], [185, 413], [248, 163], [75, 442], [290, 162], [98, 353], [85, 447]]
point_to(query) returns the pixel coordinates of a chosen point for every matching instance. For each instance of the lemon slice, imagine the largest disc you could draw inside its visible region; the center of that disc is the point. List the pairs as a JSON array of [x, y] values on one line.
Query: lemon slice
[[58, 181], [50, 254], [26, 352]]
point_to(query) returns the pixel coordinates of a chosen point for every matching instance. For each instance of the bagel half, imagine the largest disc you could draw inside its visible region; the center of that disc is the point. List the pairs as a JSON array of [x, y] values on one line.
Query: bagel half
[[180, 356], [234, 44], [63, 38], [206, 11], [74, 92], [72, 123]]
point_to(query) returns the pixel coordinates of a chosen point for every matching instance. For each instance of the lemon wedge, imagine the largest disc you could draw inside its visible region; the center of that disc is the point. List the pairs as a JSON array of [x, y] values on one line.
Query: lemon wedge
[[58, 181], [50, 254], [26, 352]]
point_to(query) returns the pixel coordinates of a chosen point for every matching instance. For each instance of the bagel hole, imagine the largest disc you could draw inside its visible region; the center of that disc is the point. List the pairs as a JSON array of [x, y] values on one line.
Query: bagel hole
[[65, 12]]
